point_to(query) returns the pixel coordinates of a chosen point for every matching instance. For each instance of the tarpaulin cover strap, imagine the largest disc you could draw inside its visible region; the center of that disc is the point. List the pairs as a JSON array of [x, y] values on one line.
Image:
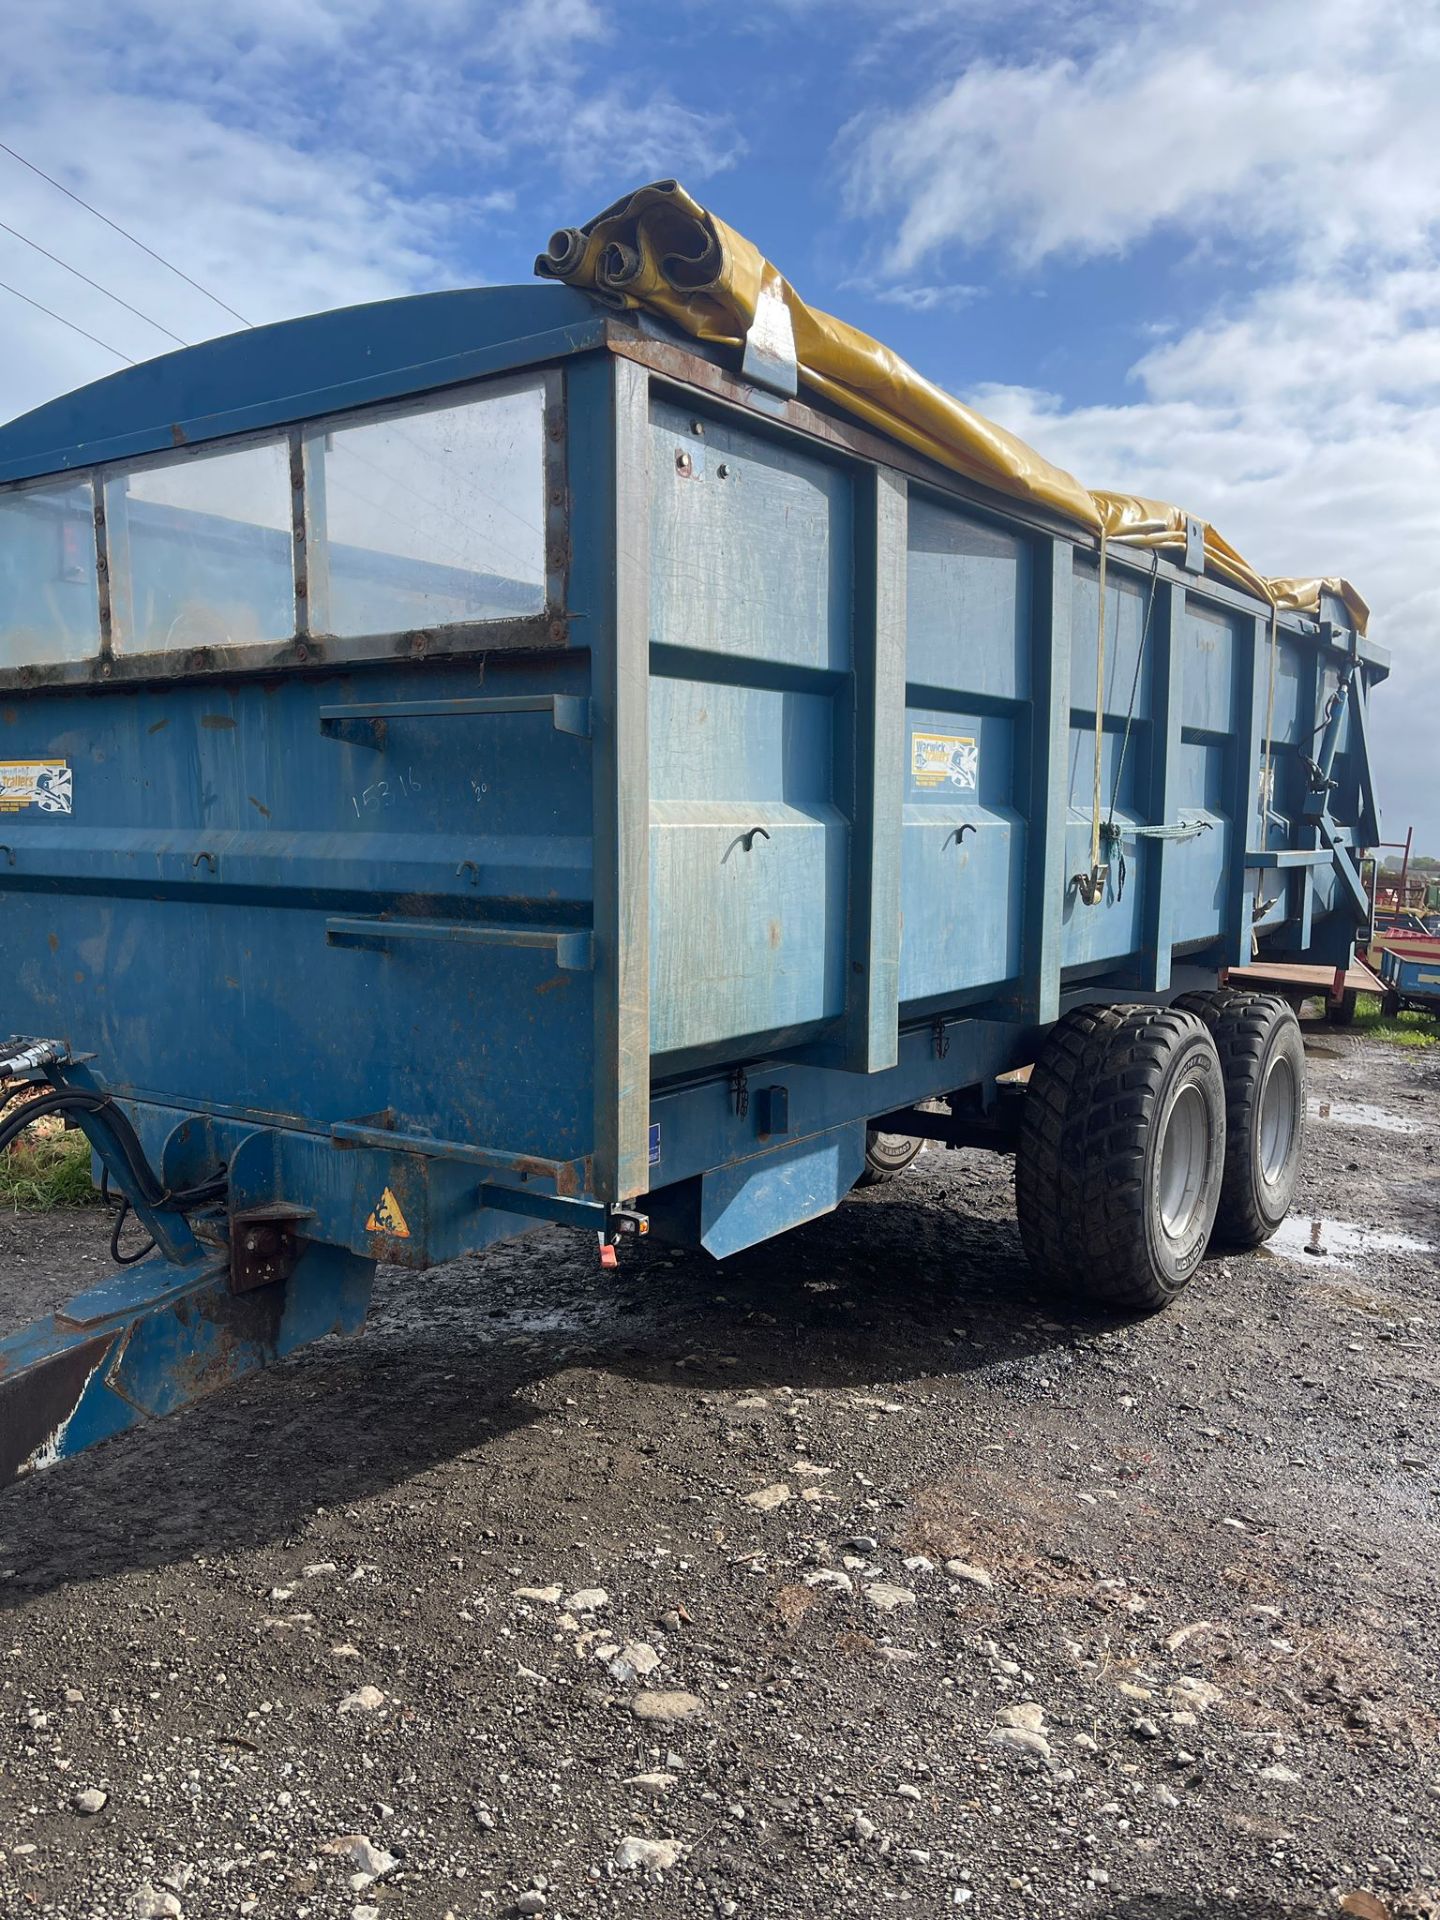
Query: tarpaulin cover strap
[[660, 250]]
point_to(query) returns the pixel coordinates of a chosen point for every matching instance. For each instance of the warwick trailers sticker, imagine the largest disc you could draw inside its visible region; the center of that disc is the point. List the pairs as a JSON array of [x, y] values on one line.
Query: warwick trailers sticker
[[945, 760], [42, 784]]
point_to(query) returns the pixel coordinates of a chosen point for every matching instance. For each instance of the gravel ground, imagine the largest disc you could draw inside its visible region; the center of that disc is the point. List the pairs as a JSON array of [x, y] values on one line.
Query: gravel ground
[[851, 1575]]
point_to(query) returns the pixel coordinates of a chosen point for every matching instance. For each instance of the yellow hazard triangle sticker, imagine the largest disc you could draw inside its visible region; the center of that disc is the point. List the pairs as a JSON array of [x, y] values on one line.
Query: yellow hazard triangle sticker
[[387, 1218]]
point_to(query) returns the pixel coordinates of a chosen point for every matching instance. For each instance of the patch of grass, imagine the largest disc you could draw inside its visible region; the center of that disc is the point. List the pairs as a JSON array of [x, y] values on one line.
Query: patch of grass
[[1405, 1030], [47, 1168]]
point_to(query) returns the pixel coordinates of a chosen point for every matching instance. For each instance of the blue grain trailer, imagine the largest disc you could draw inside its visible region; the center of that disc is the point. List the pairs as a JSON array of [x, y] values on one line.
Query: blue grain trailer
[[487, 759], [1410, 972]]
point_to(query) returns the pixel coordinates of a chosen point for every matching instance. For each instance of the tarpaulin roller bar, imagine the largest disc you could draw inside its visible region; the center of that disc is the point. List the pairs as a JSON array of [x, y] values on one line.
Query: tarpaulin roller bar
[[660, 250]]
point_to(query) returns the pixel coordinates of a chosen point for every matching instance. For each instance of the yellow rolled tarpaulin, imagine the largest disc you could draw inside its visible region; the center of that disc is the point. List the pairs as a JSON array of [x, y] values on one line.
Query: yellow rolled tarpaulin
[[660, 250]]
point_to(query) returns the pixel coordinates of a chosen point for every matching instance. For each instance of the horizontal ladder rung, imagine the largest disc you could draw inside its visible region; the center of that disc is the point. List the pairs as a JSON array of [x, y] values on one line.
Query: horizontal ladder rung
[[368, 725], [570, 1177], [1290, 857], [573, 947]]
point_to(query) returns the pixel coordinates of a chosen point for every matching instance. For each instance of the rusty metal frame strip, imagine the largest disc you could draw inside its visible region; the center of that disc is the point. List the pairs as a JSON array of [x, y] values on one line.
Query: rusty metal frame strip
[[302, 476], [102, 575], [116, 617], [557, 498], [541, 633]]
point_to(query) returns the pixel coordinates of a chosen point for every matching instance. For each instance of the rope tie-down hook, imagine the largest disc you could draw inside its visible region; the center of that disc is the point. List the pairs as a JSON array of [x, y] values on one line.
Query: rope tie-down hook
[[1091, 886], [744, 842], [1106, 835]]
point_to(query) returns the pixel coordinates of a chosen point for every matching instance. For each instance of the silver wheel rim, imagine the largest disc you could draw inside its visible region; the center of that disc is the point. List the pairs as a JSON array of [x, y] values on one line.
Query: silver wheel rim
[[1277, 1120], [1184, 1158]]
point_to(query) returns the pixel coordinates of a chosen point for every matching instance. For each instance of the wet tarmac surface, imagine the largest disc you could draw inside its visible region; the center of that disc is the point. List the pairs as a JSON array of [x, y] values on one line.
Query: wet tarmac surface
[[948, 1596]]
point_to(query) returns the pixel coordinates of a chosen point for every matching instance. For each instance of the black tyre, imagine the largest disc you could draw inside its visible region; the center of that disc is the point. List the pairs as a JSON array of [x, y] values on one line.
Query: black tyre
[[887, 1154], [1341, 1012], [1390, 1005], [1262, 1059], [1121, 1156]]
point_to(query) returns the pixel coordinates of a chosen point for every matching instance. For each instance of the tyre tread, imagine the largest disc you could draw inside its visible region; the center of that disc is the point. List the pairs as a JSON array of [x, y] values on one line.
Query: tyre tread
[[1241, 1023], [1080, 1168]]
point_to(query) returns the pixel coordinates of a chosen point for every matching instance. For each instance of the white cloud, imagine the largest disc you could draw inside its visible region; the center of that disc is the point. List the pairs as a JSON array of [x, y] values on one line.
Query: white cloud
[[236, 209], [1294, 141], [1314, 343], [1307, 427], [304, 156], [535, 31], [1306, 123], [927, 299]]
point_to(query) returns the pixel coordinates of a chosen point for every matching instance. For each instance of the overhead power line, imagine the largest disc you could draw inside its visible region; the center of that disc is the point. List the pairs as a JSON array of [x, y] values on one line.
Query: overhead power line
[[51, 314], [109, 295], [126, 234]]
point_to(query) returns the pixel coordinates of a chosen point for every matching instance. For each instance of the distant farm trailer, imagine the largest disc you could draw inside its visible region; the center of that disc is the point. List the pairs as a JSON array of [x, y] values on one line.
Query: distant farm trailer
[[1410, 973], [483, 760], [1338, 987]]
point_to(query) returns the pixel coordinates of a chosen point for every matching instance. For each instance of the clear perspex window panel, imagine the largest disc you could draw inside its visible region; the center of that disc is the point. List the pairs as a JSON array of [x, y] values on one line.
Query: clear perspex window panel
[[49, 598], [201, 552], [432, 519]]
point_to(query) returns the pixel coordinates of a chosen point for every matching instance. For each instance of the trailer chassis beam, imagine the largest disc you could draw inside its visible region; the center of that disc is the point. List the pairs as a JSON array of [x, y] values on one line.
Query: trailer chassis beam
[[997, 1131], [157, 1337]]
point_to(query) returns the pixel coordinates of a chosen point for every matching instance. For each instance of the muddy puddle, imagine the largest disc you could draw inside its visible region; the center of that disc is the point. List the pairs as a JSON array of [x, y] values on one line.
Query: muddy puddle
[[1360, 1113], [1337, 1243]]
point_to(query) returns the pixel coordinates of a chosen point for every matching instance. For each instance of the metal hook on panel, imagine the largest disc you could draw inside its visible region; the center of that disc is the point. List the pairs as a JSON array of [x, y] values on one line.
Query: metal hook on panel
[[208, 858], [959, 834], [468, 866], [1091, 886], [747, 840], [9, 853]]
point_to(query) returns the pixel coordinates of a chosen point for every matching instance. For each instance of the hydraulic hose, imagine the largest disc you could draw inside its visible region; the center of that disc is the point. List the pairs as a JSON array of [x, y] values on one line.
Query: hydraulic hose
[[82, 1100]]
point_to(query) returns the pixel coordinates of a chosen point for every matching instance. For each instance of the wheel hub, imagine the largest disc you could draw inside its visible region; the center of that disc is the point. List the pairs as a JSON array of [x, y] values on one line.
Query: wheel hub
[[1184, 1156], [1276, 1132]]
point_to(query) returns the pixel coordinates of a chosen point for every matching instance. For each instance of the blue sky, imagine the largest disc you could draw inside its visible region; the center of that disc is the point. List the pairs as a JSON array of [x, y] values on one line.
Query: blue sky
[[1189, 249]]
